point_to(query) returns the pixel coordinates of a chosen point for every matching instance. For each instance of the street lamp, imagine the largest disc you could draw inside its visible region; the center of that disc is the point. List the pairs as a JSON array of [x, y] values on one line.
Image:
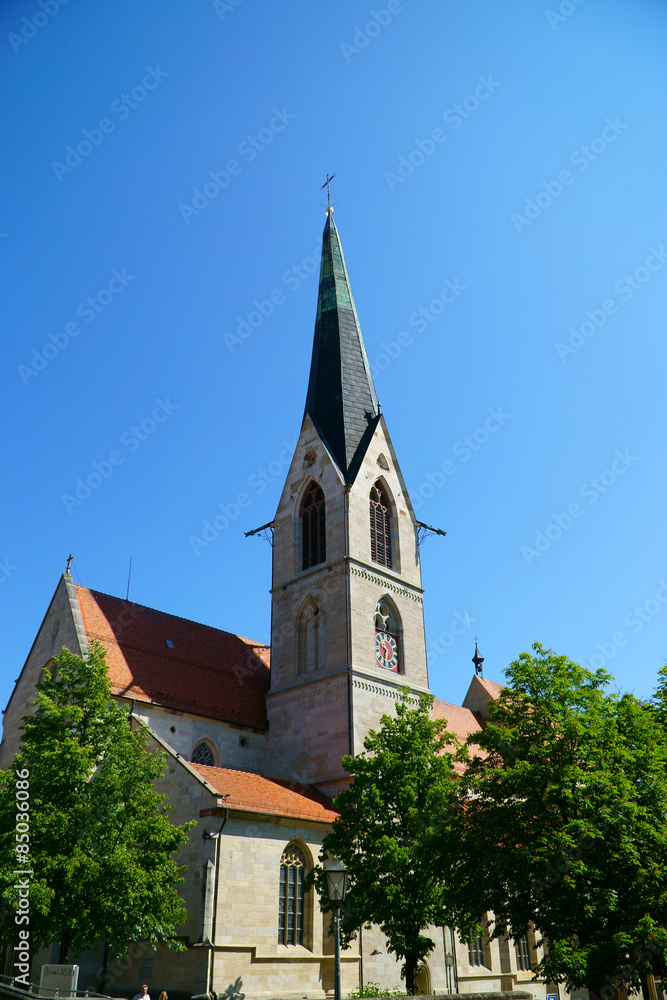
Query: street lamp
[[336, 875], [449, 963]]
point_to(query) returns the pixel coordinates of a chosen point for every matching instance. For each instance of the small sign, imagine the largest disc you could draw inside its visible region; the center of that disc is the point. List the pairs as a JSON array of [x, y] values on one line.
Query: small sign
[[552, 996], [63, 978]]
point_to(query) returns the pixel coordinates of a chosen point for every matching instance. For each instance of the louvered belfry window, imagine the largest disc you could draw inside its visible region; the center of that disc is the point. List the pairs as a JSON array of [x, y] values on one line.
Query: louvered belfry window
[[313, 528], [290, 901], [380, 526]]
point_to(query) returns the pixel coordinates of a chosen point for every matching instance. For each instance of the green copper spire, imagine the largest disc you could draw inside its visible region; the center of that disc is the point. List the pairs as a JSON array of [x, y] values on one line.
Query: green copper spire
[[341, 397]]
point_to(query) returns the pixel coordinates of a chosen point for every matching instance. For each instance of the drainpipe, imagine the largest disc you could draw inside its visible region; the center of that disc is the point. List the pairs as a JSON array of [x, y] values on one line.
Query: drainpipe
[[455, 974], [361, 960]]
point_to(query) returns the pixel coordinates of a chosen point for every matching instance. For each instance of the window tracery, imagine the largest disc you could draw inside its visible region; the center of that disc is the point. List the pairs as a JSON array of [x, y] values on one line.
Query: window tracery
[[202, 754], [311, 651], [290, 898]]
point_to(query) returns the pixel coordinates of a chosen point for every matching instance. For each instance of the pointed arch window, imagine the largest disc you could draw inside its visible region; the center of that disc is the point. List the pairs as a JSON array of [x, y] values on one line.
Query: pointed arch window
[[523, 954], [290, 898], [478, 948], [476, 951], [313, 527], [311, 644], [387, 637], [202, 754], [380, 510]]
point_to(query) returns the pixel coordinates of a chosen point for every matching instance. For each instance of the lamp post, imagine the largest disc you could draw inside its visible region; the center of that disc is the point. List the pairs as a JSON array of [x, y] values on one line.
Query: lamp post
[[449, 963], [336, 875]]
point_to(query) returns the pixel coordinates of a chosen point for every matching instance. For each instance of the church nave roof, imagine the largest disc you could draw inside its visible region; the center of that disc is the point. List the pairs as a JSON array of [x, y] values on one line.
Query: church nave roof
[[170, 661]]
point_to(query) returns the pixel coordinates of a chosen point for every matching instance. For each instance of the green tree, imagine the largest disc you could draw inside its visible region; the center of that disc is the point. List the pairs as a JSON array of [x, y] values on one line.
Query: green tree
[[100, 842], [395, 832], [565, 801]]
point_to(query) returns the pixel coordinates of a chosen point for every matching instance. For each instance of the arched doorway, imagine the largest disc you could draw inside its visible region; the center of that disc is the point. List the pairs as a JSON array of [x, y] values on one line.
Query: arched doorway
[[424, 981]]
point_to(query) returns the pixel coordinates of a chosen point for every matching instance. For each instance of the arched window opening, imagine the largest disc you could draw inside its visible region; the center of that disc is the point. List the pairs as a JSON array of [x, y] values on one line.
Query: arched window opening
[[380, 526], [290, 900], [202, 754], [311, 641], [313, 528], [478, 948], [523, 954], [476, 951], [387, 637]]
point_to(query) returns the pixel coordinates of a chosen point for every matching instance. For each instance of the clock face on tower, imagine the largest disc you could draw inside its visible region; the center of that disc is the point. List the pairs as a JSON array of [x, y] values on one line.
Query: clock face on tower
[[386, 651]]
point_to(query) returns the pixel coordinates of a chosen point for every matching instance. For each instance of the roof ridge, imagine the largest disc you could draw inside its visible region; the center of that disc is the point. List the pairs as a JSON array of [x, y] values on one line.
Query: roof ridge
[[168, 614]]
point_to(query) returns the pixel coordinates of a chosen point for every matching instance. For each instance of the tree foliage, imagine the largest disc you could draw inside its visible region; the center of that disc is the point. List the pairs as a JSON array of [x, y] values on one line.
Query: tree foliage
[[565, 799], [395, 833], [101, 845]]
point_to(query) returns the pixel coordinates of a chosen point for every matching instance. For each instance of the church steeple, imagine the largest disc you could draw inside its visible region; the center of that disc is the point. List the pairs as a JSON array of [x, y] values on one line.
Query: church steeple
[[341, 399], [347, 623]]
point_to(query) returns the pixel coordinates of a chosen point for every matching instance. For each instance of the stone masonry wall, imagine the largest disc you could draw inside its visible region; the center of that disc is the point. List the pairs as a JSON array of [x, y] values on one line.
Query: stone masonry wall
[[233, 746], [62, 626]]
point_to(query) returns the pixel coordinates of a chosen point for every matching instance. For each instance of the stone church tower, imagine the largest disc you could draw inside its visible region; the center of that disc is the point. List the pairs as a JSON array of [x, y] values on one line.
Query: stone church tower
[[347, 610]]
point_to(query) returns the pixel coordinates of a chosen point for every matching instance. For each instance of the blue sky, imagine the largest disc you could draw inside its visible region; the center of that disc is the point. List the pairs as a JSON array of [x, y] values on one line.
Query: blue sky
[[161, 198]]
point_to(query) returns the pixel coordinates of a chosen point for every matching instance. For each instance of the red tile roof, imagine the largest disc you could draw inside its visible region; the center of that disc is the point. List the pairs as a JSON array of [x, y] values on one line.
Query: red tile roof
[[492, 687], [460, 721], [208, 671], [254, 793]]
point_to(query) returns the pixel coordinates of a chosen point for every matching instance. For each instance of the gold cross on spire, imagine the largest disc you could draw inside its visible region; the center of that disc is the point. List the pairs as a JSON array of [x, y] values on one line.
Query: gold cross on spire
[[326, 185]]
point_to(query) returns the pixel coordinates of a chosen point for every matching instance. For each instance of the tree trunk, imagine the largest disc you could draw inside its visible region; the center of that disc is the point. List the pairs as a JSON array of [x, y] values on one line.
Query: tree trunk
[[64, 948], [105, 967], [609, 990], [410, 974], [647, 992]]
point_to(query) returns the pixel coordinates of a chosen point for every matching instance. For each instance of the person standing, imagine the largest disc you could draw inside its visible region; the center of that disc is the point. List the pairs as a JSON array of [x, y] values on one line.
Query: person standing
[[143, 995]]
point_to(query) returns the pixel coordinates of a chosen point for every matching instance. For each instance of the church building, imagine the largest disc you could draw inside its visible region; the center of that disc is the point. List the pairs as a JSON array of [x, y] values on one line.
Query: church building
[[254, 735]]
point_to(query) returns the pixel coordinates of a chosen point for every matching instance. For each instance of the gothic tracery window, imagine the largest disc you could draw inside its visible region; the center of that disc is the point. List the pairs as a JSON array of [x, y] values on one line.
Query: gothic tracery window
[[380, 510], [202, 754], [311, 644], [313, 527], [387, 636], [290, 899]]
